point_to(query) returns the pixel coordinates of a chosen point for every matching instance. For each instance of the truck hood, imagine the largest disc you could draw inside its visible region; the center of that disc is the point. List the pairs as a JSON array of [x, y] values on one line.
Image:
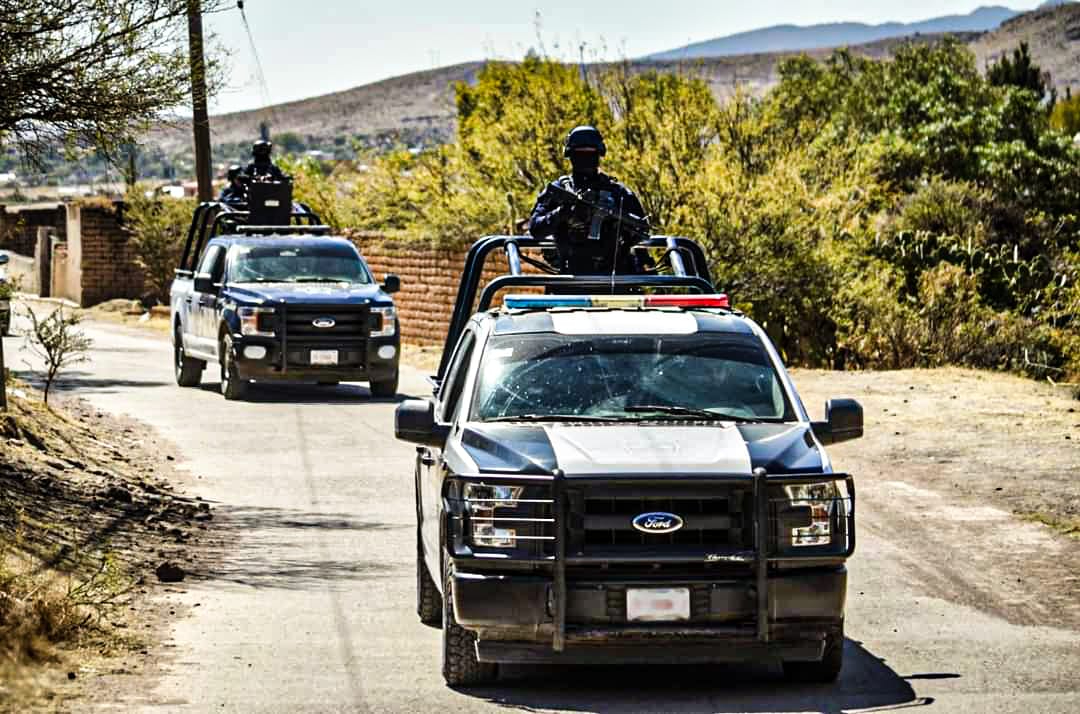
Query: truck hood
[[684, 449], [307, 293]]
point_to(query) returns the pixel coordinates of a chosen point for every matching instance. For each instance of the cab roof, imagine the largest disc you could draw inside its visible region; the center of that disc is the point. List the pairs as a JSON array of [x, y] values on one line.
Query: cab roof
[[621, 321], [281, 239]]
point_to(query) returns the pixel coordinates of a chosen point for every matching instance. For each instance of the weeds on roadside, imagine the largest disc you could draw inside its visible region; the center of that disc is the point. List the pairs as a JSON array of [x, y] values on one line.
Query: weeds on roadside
[[57, 342], [41, 607]]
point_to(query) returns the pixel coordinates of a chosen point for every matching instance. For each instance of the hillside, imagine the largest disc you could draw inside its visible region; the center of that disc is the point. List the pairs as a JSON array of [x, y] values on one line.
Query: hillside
[[418, 108], [1053, 34], [419, 105], [786, 38]]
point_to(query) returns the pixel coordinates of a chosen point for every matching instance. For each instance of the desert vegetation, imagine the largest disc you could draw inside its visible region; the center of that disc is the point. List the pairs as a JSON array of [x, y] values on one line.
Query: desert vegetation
[[869, 213]]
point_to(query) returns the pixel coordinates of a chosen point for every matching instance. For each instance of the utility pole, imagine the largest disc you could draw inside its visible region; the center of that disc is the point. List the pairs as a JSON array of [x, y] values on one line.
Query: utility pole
[[3, 377], [200, 121]]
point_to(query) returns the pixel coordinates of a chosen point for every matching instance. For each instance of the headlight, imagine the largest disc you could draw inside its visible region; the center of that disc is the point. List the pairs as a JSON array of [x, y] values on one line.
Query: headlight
[[257, 321], [384, 321], [506, 517], [819, 506]]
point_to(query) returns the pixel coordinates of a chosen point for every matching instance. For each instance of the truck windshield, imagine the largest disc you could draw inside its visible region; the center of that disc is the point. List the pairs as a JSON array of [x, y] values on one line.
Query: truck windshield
[[714, 376], [297, 264]]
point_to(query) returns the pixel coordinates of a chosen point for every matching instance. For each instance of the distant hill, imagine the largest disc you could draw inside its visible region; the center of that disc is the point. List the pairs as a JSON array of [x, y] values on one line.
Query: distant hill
[[1053, 35], [786, 38], [418, 108]]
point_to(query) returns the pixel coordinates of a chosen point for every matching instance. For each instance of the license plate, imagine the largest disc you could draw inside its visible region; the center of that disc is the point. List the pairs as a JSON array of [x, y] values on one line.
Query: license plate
[[654, 605], [324, 356]]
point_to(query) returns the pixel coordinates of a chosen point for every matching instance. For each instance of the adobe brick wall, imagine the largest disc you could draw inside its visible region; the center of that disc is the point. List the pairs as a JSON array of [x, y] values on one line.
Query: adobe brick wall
[[19, 224], [107, 257], [429, 283]]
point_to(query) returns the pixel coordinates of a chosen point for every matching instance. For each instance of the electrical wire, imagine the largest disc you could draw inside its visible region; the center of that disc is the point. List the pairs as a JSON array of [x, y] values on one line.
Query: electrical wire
[[264, 88]]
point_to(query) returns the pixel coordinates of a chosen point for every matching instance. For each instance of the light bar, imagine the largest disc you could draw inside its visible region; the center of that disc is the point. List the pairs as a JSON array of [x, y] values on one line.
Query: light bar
[[547, 302]]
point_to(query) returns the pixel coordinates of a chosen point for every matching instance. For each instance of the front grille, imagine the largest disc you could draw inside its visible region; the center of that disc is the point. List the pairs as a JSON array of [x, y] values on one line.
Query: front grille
[[345, 329], [351, 325], [715, 517]]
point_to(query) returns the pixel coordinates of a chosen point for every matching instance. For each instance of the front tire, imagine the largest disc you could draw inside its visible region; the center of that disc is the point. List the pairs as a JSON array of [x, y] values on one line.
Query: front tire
[[385, 388], [232, 386], [824, 671], [460, 666], [188, 371], [429, 605]]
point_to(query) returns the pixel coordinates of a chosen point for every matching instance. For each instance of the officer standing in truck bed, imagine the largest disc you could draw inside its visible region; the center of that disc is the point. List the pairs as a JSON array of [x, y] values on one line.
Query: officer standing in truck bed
[[569, 225]]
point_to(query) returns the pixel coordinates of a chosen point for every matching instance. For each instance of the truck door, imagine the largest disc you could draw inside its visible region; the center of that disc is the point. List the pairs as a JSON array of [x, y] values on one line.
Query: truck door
[[430, 458], [203, 305]]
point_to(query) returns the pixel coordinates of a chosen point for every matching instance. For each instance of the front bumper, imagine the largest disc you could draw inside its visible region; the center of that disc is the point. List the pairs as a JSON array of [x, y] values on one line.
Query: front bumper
[[516, 618], [273, 367], [760, 604]]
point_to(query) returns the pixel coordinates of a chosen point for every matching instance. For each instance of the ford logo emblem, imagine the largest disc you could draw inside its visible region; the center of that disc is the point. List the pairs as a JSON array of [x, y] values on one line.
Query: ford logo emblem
[[323, 322], [658, 522]]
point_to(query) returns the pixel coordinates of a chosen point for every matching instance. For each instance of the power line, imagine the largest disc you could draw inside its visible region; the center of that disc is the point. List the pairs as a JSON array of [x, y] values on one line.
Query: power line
[[264, 88]]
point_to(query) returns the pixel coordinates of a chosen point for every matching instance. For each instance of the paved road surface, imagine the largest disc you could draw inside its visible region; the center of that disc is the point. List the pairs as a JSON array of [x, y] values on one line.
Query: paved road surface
[[311, 610]]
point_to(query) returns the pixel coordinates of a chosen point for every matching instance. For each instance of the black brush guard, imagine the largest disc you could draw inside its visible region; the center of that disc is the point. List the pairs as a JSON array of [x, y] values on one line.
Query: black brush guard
[[765, 551], [213, 217]]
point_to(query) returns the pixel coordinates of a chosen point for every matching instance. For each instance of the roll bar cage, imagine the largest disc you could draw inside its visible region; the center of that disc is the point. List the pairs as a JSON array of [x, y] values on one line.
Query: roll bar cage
[[213, 218], [683, 257]]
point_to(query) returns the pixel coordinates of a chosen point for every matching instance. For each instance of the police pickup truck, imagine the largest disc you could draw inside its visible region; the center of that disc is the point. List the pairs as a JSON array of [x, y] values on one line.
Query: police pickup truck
[[284, 307], [627, 479]]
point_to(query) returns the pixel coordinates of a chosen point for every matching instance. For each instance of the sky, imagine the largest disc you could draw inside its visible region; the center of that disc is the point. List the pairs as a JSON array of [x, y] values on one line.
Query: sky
[[319, 46]]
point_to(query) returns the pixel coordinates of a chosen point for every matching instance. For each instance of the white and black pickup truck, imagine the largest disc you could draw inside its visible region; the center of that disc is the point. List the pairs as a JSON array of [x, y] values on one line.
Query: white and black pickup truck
[[627, 479]]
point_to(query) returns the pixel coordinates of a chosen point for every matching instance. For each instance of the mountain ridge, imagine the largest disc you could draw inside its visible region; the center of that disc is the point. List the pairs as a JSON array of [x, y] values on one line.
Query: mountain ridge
[[788, 37]]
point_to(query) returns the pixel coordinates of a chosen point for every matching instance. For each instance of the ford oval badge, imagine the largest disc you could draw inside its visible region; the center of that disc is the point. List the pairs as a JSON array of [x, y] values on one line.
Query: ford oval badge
[[658, 522], [323, 322]]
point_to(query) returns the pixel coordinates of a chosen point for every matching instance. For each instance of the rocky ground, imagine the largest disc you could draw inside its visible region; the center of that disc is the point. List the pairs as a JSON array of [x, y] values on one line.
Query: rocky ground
[[94, 537]]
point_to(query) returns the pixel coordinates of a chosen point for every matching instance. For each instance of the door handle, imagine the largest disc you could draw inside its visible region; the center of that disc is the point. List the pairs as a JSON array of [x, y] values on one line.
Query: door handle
[[427, 459], [187, 300]]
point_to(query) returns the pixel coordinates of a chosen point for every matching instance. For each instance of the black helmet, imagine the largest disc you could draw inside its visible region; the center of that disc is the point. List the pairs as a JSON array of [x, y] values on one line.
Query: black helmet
[[584, 137], [261, 149], [234, 172]]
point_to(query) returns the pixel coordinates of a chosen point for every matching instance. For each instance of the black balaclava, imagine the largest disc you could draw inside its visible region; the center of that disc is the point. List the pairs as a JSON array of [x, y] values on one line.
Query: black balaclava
[[586, 164]]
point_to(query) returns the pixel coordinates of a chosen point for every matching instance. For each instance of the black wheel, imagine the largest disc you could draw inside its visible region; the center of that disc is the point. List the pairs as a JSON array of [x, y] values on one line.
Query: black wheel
[[460, 666], [188, 370], [428, 598], [385, 388], [232, 387], [827, 669]]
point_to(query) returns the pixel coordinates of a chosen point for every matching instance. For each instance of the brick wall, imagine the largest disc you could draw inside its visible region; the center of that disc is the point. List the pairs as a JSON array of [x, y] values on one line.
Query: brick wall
[[107, 259], [429, 283], [19, 224]]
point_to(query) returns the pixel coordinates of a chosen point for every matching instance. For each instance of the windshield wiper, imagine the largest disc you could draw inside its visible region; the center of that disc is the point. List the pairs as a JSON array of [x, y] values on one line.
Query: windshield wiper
[[690, 412], [554, 417], [319, 280]]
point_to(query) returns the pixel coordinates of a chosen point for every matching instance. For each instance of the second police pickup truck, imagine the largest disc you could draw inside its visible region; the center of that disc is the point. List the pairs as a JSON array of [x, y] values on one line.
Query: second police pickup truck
[[280, 302]]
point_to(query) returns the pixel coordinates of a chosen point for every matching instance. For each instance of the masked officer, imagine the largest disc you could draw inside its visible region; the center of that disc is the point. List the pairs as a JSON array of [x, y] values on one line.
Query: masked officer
[[234, 191], [262, 167], [569, 224]]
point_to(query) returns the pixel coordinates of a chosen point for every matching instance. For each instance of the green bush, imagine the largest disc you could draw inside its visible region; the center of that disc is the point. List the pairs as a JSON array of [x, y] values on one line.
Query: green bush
[[867, 213], [158, 227]]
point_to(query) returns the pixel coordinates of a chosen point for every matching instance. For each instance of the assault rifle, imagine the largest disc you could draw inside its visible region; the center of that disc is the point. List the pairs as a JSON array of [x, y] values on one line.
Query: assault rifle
[[600, 206]]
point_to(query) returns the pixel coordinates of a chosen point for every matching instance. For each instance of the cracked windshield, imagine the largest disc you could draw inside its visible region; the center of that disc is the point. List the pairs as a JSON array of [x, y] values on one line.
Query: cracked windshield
[[708, 376]]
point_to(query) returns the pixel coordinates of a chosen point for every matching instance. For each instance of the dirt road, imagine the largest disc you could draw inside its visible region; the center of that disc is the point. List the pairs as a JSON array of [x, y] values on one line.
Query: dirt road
[[954, 605]]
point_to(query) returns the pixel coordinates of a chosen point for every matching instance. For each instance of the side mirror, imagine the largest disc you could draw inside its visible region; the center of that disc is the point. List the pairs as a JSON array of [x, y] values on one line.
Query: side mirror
[[4, 258], [843, 422], [391, 284], [414, 421], [204, 283]]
